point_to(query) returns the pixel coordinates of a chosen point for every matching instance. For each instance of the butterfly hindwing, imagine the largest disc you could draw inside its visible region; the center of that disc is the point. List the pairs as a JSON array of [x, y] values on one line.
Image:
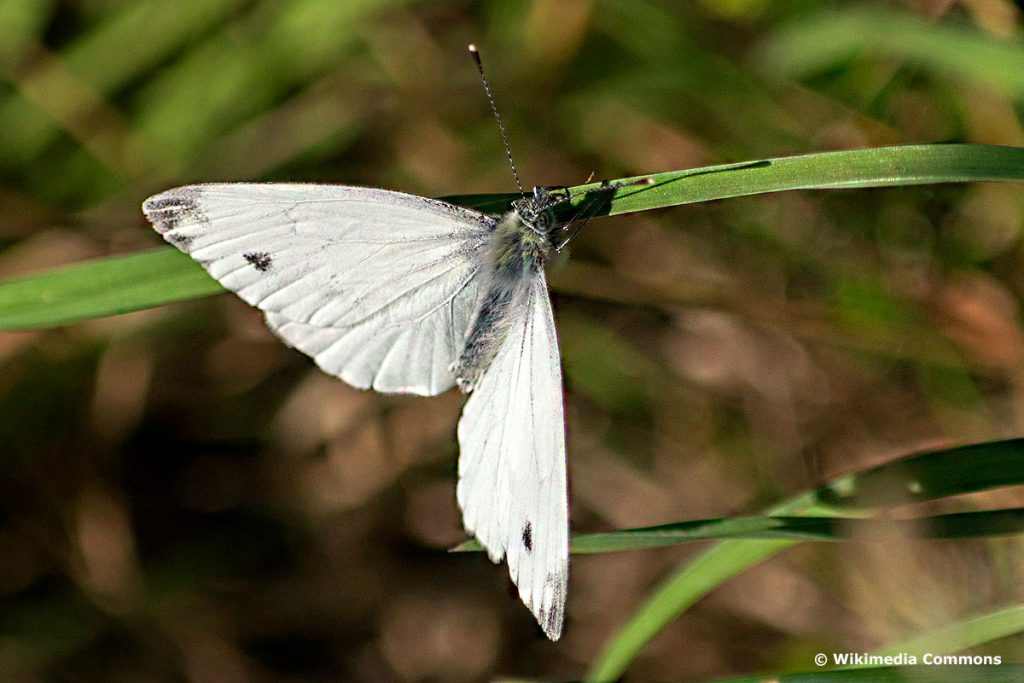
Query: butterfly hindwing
[[377, 286], [512, 467]]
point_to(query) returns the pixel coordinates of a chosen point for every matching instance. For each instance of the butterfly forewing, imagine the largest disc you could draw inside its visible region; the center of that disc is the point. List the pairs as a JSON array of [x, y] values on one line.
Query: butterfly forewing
[[512, 478], [377, 286]]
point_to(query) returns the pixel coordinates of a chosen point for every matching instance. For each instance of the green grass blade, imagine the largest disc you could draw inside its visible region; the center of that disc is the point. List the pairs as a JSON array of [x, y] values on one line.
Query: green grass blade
[[913, 479], [944, 641], [858, 168], [692, 582], [917, 477], [706, 572], [965, 634], [297, 40], [875, 167], [830, 38], [929, 475], [103, 287], [70, 295], [154, 28], [979, 524]]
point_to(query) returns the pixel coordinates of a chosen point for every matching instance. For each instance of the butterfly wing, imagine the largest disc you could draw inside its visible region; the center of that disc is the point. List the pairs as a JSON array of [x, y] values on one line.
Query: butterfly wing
[[512, 480], [377, 286]]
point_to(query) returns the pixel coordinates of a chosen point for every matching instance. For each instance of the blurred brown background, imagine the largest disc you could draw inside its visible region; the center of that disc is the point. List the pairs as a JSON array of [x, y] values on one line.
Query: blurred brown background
[[184, 498]]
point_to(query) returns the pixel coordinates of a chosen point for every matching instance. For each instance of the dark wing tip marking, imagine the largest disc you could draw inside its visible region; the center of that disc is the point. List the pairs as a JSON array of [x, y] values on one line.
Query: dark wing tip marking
[[551, 619], [260, 260], [528, 537], [179, 240], [168, 210]]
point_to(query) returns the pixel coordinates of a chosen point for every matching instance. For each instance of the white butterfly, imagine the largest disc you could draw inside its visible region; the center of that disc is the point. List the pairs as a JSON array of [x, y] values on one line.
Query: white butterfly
[[405, 294]]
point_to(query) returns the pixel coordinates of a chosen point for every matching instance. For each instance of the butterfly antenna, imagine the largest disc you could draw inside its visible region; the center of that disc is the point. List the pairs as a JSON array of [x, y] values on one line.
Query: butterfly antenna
[[475, 54]]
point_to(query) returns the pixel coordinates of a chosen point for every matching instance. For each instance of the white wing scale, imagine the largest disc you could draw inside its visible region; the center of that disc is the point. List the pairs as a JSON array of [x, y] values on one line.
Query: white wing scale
[[377, 286], [512, 479]]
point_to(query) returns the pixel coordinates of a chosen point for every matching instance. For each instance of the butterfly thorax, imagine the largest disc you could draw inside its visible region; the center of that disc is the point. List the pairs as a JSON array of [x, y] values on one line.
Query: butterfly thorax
[[516, 252]]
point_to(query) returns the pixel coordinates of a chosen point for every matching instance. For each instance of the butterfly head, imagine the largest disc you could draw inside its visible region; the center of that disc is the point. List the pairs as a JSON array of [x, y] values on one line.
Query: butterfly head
[[537, 211]]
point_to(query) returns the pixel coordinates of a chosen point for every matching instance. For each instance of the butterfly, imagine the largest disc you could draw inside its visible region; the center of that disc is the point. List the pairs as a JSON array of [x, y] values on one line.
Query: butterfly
[[404, 294]]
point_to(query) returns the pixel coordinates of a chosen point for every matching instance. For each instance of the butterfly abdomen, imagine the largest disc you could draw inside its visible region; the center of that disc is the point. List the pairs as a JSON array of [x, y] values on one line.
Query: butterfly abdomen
[[515, 254]]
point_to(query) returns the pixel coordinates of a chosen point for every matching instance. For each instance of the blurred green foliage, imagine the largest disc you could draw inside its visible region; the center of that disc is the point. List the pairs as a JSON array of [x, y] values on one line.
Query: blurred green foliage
[[183, 498]]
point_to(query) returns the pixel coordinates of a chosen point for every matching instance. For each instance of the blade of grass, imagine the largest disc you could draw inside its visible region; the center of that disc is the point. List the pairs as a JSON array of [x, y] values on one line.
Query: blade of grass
[[703, 574], [913, 479], [979, 524], [153, 28], [917, 477], [931, 474], [103, 287], [851, 169], [693, 581], [71, 294], [297, 41], [944, 641], [876, 167], [963, 634], [829, 38]]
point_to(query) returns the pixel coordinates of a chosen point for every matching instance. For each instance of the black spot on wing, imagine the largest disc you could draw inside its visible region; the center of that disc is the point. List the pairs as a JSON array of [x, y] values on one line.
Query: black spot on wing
[[168, 210], [528, 537], [260, 260]]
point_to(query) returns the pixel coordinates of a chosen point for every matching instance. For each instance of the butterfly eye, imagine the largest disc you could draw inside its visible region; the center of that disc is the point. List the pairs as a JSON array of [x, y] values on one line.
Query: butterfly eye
[[542, 221]]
